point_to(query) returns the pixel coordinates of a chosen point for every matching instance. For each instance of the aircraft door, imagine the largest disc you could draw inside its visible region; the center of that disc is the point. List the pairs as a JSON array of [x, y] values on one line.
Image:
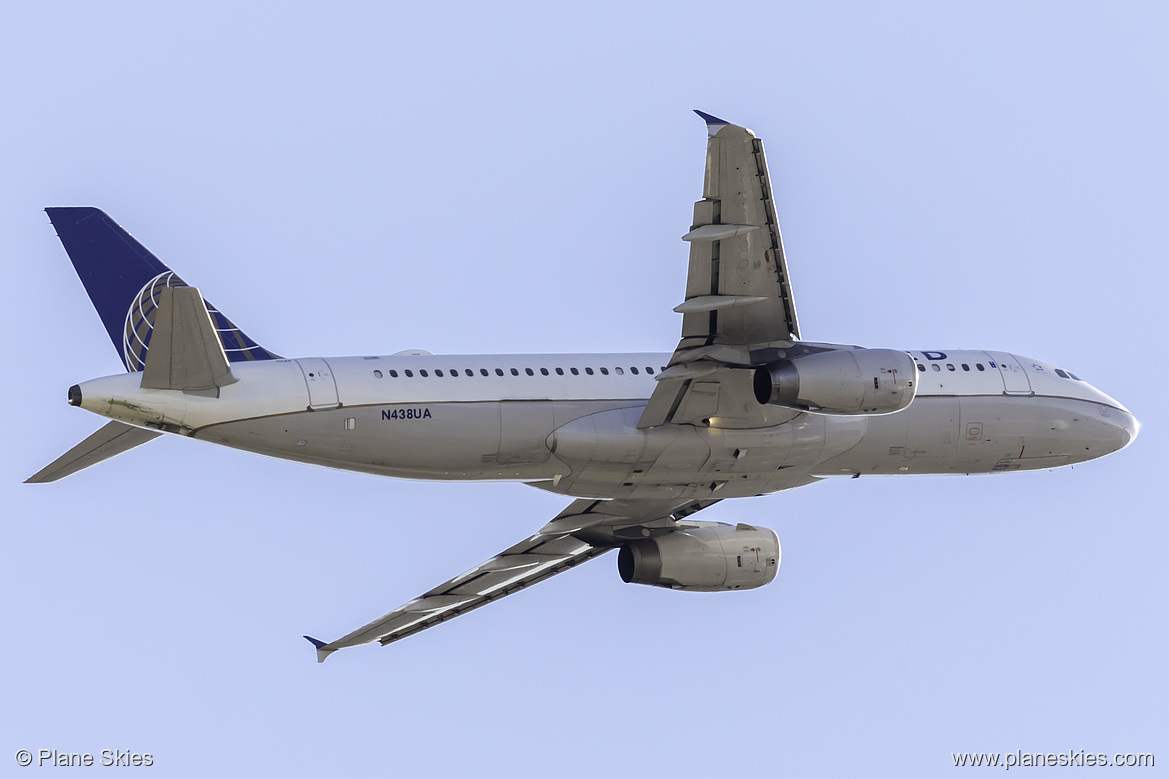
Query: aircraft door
[[1015, 381], [322, 387]]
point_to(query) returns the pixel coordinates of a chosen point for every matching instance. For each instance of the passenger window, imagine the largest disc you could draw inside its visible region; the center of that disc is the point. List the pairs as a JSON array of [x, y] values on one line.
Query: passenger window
[[965, 367], [575, 372], [620, 370], [544, 371], [921, 367], [559, 371], [529, 371], [589, 371], [935, 366], [378, 374], [469, 372], [499, 371], [978, 365], [949, 366], [423, 374], [437, 373], [650, 370], [605, 371], [394, 374], [634, 369], [484, 372], [409, 373], [515, 372]]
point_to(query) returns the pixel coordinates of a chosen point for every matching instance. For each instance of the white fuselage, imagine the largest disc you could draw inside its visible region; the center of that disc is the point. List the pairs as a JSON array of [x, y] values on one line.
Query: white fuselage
[[568, 423]]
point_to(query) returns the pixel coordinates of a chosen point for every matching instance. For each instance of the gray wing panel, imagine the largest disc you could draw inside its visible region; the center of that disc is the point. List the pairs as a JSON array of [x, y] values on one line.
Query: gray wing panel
[[738, 293], [584, 530], [110, 441], [737, 290]]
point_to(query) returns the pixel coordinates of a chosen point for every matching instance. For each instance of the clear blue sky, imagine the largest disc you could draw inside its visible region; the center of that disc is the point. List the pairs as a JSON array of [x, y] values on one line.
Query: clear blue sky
[[506, 178]]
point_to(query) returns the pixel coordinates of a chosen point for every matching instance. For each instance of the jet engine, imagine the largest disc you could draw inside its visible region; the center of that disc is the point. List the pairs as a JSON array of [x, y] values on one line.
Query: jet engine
[[710, 558], [844, 381]]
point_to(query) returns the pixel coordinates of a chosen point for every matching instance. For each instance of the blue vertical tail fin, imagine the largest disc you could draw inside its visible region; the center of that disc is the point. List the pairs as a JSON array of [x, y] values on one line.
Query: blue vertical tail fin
[[123, 280]]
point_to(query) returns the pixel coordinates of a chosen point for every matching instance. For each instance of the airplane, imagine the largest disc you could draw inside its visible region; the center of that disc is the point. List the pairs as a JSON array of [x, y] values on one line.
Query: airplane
[[641, 442]]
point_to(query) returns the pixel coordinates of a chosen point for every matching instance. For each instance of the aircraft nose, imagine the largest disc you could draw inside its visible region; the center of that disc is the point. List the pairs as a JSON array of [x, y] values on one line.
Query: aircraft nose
[[1126, 426], [1115, 429]]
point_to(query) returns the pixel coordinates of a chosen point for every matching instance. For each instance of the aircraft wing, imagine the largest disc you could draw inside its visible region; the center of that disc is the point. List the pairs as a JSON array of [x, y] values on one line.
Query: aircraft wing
[[584, 530], [739, 302]]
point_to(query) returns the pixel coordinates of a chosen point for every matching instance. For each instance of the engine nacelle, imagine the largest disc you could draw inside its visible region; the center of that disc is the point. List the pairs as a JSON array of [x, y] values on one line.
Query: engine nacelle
[[703, 559], [844, 381]]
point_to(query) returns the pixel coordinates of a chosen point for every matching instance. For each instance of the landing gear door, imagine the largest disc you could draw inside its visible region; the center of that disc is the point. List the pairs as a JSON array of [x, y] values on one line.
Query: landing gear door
[[1015, 381], [322, 387]]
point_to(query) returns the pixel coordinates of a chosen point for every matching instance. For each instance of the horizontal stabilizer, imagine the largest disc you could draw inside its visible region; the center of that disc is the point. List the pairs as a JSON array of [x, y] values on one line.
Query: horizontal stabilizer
[[110, 441], [184, 353]]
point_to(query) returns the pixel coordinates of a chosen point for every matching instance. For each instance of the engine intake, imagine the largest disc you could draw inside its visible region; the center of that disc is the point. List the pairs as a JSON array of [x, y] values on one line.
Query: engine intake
[[845, 381], [710, 558]]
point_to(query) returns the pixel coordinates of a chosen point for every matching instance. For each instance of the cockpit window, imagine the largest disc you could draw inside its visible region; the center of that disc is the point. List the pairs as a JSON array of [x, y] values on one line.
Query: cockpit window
[[1066, 374]]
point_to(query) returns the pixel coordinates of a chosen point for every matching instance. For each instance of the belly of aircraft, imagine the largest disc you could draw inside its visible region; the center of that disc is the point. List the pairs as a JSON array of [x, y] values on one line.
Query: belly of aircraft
[[594, 448], [519, 440], [975, 434], [443, 441]]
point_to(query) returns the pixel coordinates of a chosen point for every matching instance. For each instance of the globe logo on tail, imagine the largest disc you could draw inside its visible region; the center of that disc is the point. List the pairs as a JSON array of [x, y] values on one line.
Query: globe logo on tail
[[140, 319]]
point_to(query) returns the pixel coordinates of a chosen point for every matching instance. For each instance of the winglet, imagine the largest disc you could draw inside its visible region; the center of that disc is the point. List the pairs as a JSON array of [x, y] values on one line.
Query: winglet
[[710, 119], [322, 653]]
